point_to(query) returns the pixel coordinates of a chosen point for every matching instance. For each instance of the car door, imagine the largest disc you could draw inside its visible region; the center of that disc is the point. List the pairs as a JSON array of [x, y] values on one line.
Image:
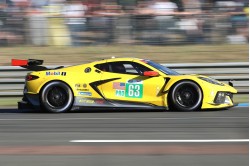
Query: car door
[[124, 81]]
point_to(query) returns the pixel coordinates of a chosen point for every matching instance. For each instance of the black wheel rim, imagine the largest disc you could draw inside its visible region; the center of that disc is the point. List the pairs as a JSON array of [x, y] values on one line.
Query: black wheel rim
[[187, 96], [57, 97]]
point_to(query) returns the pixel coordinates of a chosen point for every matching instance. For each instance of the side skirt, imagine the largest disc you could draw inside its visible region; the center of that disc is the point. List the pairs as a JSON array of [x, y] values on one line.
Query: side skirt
[[83, 103]]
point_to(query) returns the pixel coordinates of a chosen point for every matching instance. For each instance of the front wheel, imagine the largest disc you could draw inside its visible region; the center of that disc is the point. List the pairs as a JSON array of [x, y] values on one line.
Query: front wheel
[[186, 96], [56, 97]]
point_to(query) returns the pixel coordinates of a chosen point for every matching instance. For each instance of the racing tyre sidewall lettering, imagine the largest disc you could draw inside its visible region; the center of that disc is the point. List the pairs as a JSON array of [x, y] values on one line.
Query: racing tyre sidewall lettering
[[56, 97], [186, 96]]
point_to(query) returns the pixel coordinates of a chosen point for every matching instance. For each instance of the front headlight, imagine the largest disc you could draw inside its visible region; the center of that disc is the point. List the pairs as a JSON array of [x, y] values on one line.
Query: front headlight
[[220, 98], [210, 80]]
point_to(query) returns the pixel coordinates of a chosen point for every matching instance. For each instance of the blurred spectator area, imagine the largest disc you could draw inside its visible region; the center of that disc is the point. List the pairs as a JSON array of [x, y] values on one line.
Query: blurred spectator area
[[154, 22]]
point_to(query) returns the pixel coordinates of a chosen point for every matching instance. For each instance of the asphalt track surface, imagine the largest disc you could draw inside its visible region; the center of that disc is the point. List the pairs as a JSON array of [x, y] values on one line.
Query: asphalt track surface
[[32, 138]]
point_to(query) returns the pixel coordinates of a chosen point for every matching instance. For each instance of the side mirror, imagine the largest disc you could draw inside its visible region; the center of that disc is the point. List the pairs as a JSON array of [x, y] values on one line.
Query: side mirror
[[150, 73]]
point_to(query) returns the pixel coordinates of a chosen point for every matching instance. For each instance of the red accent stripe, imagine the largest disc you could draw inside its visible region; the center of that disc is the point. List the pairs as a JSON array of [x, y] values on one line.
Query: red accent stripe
[[19, 62]]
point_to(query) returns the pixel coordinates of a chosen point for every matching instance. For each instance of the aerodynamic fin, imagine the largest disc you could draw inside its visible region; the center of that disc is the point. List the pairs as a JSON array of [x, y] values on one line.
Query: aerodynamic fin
[[30, 64]]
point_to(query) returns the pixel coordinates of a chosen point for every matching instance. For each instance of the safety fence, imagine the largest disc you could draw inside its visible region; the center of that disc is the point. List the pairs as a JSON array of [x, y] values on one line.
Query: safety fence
[[12, 78]]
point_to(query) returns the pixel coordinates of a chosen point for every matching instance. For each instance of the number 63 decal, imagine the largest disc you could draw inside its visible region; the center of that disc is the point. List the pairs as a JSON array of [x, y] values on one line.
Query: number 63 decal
[[134, 90]]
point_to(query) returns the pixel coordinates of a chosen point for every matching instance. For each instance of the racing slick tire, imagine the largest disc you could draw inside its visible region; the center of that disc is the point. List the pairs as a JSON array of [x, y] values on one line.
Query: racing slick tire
[[56, 97], [185, 96]]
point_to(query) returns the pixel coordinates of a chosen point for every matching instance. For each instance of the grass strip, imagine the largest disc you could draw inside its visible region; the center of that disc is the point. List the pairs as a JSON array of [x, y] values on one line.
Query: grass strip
[[161, 54]]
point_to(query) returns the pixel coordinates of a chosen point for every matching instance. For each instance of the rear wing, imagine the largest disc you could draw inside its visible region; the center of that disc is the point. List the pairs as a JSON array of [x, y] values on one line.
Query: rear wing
[[30, 64]]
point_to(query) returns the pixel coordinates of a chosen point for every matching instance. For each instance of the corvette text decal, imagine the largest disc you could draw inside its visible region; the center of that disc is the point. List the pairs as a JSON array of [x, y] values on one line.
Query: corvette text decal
[[130, 89]]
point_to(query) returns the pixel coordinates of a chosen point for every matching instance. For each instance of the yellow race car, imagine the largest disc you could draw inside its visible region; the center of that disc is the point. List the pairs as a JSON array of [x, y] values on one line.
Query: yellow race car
[[124, 83]]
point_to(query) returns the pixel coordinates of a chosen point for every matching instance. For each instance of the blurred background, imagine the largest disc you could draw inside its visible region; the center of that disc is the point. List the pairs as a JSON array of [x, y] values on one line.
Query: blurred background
[[96, 22]]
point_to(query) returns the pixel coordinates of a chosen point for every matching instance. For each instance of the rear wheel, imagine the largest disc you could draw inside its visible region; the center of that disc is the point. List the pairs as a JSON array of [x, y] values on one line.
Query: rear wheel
[[185, 96], [56, 97]]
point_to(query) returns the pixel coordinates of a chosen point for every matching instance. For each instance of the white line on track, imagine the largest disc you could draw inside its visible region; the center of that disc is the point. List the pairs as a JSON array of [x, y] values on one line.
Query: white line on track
[[160, 141], [63, 119]]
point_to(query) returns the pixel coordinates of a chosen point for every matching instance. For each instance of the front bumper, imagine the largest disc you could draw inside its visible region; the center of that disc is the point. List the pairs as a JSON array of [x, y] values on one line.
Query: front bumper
[[221, 100]]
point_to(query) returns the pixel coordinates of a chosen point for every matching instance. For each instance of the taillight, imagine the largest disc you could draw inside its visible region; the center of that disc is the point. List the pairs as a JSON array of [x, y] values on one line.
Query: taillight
[[31, 77]]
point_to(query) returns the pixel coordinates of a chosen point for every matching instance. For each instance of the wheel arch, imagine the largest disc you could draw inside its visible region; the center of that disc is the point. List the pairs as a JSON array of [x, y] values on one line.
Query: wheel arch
[[58, 81], [175, 83], [44, 85]]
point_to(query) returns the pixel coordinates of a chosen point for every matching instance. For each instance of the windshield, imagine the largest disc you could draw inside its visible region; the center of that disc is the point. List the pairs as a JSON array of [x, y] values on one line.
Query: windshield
[[161, 68]]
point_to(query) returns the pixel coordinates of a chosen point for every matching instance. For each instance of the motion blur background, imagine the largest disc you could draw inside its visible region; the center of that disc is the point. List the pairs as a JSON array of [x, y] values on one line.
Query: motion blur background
[[95, 22]]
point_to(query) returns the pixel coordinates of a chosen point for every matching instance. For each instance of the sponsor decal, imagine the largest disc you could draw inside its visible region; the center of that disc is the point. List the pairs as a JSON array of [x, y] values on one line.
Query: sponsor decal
[[63, 73], [119, 85], [84, 85], [55, 73], [88, 101], [52, 73], [91, 101], [134, 81], [85, 93], [131, 89], [78, 85], [120, 93]]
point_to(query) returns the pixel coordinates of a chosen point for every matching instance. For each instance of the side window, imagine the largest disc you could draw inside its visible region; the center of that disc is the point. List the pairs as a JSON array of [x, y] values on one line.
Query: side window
[[123, 68], [103, 67], [140, 68], [117, 67], [128, 68]]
